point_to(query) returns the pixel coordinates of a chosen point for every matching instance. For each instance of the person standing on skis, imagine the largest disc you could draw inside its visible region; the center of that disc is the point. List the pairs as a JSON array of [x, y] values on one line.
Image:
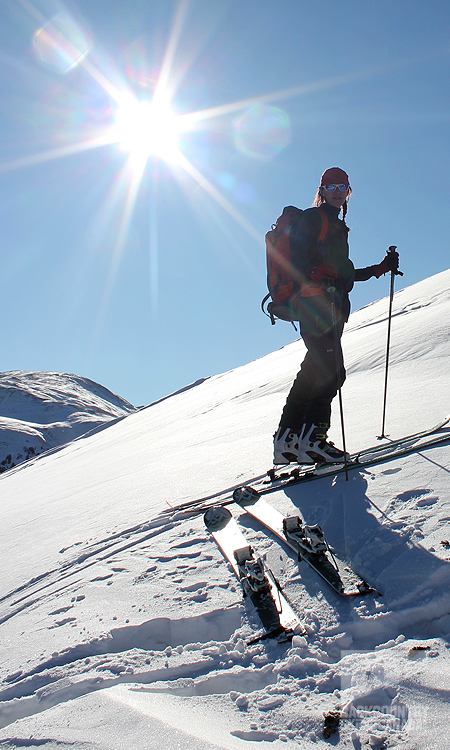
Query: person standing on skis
[[326, 276]]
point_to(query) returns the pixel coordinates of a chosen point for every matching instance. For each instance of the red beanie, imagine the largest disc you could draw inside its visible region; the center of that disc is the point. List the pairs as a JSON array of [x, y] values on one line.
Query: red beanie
[[334, 176]]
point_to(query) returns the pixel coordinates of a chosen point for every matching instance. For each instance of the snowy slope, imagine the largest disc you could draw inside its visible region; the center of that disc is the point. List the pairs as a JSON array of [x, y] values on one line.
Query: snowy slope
[[121, 625], [43, 410]]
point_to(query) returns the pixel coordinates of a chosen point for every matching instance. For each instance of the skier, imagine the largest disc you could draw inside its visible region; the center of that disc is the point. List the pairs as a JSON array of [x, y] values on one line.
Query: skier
[[326, 276]]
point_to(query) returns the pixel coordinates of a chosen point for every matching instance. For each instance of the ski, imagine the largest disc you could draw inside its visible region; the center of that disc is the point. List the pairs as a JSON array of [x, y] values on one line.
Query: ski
[[279, 477], [258, 582], [361, 460], [308, 542], [385, 449]]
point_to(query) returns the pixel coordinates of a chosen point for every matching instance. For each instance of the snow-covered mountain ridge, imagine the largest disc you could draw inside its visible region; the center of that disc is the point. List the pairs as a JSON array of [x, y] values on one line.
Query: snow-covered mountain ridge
[[121, 625], [43, 410]]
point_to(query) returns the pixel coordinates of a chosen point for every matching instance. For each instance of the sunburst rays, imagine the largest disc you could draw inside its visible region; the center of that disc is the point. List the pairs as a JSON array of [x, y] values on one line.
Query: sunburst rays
[[147, 129]]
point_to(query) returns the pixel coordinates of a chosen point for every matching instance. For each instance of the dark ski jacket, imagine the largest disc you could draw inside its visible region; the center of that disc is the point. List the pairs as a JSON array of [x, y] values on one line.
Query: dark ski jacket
[[313, 302]]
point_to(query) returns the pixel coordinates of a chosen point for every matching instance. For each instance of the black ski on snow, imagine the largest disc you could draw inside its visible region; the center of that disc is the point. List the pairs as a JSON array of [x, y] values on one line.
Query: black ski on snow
[[308, 542], [257, 581], [279, 477]]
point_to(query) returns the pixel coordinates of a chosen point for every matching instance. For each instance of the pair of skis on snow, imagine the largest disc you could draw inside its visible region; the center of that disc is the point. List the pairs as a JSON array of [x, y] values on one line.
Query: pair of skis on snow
[[308, 542], [257, 580]]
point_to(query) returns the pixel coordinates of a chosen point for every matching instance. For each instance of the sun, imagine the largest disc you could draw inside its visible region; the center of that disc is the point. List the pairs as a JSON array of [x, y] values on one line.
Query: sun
[[147, 129]]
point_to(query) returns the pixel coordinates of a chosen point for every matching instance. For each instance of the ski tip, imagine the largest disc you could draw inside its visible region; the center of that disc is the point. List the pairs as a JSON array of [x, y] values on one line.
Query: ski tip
[[216, 518], [246, 495]]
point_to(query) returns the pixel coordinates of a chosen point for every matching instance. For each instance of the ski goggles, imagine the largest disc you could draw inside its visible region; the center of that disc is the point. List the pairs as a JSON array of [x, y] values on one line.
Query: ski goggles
[[342, 188]]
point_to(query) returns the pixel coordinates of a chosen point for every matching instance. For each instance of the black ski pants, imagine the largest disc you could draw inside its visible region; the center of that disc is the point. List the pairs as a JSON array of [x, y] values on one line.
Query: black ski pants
[[321, 375]]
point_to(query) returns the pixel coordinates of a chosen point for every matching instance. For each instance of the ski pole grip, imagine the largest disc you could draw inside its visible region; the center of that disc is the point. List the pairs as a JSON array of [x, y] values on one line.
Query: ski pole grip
[[392, 249]]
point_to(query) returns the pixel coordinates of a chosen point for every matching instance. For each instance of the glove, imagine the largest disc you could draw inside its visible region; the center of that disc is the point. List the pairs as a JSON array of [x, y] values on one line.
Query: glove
[[326, 271], [389, 263]]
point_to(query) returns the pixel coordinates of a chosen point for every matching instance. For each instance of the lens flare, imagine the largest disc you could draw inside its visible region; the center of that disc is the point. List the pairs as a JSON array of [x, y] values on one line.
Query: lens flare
[[61, 44], [243, 192], [262, 132]]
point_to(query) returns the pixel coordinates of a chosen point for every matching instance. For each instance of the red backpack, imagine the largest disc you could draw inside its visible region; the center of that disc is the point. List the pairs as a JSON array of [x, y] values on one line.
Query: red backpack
[[281, 281]]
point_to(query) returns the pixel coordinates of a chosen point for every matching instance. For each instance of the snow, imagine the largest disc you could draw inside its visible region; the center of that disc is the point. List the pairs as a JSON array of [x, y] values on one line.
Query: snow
[[123, 627], [58, 408]]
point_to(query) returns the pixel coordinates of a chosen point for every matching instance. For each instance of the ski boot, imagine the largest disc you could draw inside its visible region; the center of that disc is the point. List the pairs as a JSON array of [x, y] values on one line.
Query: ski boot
[[285, 446], [314, 448]]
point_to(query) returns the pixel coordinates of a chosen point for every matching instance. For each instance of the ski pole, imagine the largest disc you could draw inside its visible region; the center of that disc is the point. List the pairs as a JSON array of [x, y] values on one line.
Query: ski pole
[[394, 273], [331, 292]]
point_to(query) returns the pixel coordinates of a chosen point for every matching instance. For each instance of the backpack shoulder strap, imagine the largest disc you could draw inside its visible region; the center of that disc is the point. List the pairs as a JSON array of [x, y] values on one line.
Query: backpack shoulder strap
[[324, 230]]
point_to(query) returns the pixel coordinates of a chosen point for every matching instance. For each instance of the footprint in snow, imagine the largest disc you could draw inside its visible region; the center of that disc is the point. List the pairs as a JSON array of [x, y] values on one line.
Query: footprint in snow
[[61, 623], [416, 494], [188, 543], [60, 611], [432, 500], [186, 555], [194, 586]]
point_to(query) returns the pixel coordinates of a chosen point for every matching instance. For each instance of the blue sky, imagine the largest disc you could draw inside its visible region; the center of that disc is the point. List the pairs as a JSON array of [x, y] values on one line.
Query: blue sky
[[143, 266]]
